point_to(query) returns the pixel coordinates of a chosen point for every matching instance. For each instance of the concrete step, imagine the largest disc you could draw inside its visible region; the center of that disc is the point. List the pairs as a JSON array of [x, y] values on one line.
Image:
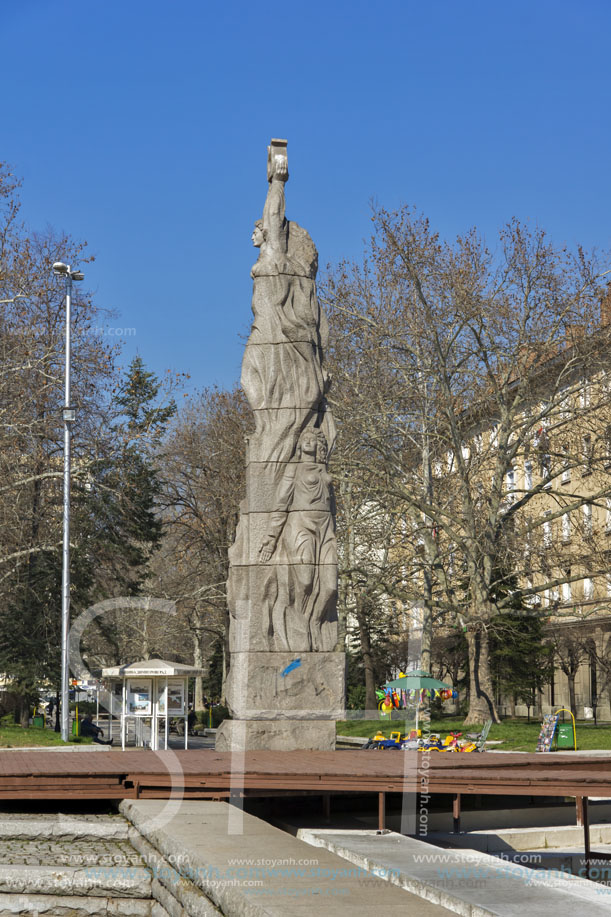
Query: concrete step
[[73, 866], [83, 852], [14, 825], [82, 906], [96, 881]]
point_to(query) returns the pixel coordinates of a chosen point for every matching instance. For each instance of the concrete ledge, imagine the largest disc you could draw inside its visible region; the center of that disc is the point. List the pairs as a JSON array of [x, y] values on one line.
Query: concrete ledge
[[501, 841], [240, 865], [469, 883], [59, 748]]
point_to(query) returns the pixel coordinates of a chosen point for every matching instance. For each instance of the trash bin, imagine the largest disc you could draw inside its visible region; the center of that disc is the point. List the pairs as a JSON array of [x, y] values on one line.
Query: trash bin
[[565, 736], [38, 720]]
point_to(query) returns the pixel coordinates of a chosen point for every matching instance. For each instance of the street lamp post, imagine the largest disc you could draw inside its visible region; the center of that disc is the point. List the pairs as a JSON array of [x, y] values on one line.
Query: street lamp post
[[69, 415]]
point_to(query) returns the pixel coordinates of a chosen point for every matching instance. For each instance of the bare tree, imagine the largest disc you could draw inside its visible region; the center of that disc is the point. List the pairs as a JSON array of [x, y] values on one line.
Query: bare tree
[[463, 368], [202, 463]]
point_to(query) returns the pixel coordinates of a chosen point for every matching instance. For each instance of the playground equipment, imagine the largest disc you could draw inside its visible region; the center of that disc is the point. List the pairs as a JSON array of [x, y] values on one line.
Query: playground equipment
[[413, 688]]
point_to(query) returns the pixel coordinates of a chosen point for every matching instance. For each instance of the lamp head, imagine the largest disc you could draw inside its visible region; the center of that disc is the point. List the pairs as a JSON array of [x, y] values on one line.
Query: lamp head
[[78, 275], [60, 268]]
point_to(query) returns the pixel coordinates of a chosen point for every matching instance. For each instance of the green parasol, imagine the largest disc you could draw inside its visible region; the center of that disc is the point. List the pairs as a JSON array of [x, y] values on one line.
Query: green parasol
[[417, 681]]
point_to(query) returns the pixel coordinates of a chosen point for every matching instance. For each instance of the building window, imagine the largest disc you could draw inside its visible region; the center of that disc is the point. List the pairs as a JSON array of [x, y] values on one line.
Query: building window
[[564, 403], [566, 527], [545, 459], [584, 394], [510, 485], [586, 447], [567, 591], [587, 519], [588, 588], [566, 471], [528, 475], [608, 517], [547, 532]]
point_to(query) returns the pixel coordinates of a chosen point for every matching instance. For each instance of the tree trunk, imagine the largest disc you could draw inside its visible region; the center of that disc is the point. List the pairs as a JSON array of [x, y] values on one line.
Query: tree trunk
[[370, 683], [426, 645], [198, 660], [24, 711], [512, 706], [481, 695]]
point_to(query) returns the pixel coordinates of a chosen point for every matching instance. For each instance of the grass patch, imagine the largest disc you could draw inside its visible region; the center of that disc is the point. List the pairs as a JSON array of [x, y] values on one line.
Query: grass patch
[[515, 735], [17, 737]]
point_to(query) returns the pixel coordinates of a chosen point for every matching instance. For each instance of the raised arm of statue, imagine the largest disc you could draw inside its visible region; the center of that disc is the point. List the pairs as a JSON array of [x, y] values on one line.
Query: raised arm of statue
[[274, 220]]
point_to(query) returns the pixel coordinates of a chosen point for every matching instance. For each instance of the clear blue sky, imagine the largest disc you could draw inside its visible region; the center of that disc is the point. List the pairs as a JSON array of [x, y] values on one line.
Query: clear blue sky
[[142, 126]]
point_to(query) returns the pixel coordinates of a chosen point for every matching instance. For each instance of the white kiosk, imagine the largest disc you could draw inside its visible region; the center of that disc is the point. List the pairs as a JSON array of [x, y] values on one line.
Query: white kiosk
[[154, 692]]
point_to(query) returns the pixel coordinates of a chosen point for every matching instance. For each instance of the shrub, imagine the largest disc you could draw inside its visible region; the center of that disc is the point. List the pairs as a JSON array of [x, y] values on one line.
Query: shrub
[[219, 713], [201, 719], [356, 697]]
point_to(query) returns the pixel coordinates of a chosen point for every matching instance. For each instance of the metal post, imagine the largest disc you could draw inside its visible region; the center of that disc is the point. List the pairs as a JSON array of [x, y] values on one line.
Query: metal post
[[381, 811], [456, 814], [586, 836], [65, 717]]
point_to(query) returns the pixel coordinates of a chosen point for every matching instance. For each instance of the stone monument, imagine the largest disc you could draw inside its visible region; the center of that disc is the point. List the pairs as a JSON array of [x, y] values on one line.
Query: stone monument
[[285, 685]]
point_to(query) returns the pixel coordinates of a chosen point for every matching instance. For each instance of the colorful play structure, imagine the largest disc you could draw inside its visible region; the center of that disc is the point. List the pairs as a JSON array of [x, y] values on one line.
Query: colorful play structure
[[411, 690]]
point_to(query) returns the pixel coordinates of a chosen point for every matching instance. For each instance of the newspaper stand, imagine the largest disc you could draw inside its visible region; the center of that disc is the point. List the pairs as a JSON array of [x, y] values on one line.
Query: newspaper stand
[[551, 729], [154, 691]]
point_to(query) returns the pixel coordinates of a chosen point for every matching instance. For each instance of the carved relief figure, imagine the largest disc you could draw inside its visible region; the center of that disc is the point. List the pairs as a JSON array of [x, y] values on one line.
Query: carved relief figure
[[301, 589]]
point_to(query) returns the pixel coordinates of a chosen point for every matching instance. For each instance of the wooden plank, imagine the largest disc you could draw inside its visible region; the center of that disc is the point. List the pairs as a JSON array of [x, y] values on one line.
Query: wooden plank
[[283, 773]]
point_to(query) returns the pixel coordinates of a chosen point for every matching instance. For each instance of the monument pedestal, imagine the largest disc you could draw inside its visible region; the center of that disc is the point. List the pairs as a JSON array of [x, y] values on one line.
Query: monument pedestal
[[283, 701], [276, 735]]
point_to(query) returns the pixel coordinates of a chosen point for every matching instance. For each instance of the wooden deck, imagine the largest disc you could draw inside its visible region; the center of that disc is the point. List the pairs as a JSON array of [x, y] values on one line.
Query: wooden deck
[[207, 774]]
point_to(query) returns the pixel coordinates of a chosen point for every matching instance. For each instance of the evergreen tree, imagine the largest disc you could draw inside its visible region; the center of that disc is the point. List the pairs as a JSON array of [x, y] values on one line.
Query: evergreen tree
[[124, 528]]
